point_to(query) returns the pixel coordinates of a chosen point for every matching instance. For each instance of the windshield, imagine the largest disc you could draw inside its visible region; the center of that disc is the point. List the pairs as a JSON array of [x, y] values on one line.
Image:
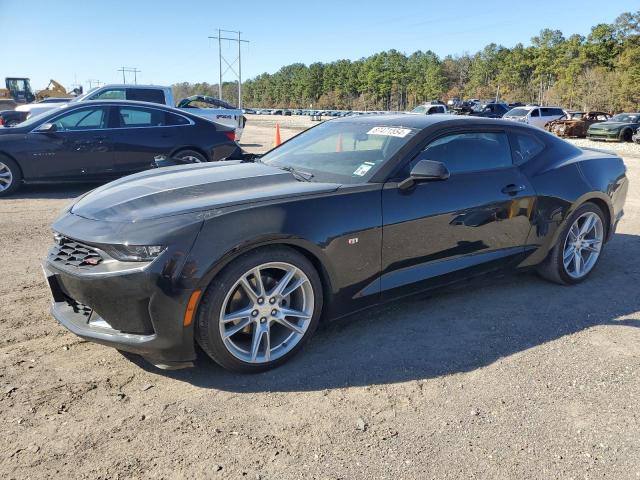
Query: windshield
[[420, 109], [625, 117], [341, 152], [517, 112], [83, 97]]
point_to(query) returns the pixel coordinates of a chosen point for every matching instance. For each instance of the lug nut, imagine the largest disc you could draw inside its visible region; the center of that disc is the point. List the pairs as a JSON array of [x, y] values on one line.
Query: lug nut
[[274, 312], [272, 300], [254, 313], [263, 320], [260, 300]]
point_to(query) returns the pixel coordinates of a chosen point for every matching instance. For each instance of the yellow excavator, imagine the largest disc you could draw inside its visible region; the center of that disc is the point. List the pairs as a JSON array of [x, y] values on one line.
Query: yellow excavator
[[18, 91]]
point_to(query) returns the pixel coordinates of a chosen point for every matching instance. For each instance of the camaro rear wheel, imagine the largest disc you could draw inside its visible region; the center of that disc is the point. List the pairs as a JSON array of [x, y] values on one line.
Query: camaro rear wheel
[[10, 176], [260, 310], [578, 248]]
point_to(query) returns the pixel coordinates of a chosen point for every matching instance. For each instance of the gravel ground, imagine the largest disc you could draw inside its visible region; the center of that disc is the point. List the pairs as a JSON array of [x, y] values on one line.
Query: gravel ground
[[508, 377]]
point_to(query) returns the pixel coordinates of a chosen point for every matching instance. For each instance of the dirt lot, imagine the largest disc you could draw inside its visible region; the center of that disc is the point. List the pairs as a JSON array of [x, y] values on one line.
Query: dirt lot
[[509, 377]]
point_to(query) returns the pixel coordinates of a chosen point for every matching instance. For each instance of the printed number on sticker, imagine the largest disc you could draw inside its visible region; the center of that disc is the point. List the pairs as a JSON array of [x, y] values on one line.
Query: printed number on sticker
[[390, 131]]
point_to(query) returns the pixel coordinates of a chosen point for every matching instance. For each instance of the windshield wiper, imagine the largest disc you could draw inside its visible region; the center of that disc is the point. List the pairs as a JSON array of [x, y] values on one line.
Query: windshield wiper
[[300, 175]]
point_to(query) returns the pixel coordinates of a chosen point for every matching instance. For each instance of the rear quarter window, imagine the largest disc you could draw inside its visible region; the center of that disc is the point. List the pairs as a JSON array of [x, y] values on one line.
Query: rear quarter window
[[525, 146], [153, 95]]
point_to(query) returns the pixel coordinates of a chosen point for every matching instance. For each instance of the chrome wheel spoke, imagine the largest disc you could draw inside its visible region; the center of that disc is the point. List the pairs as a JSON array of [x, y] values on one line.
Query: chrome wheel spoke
[[256, 341], [290, 325], [239, 315], [236, 328], [288, 312], [577, 263], [283, 282], [246, 286], [588, 224], [574, 231], [568, 255], [294, 286], [258, 278]]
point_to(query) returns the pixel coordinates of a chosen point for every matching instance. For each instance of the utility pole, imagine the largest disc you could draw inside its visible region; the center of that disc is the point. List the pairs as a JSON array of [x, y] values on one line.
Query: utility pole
[[230, 65], [91, 81], [133, 70]]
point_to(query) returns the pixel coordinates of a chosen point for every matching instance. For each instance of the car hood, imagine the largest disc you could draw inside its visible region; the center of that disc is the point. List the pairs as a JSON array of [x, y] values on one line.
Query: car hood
[[190, 188]]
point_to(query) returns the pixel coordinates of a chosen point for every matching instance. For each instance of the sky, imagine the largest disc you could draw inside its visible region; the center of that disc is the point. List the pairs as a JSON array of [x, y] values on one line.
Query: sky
[[74, 41]]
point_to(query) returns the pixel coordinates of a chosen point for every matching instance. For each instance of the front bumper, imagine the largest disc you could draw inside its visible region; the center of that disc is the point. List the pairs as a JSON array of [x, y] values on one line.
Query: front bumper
[[130, 309], [137, 307], [603, 136]]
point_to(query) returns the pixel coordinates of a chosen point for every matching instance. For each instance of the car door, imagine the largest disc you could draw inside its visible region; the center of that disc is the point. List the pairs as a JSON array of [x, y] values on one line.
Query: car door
[[141, 134], [478, 218], [77, 148], [549, 114], [535, 119]]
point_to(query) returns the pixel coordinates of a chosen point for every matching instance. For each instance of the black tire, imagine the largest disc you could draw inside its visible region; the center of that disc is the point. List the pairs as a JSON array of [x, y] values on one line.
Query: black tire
[[207, 331], [16, 176], [553, 268], [189, 156], [626, 135]]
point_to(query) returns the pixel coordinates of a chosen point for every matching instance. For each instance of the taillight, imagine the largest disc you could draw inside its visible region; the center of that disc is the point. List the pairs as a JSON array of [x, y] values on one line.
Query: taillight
[[1, 121], [231, 135]]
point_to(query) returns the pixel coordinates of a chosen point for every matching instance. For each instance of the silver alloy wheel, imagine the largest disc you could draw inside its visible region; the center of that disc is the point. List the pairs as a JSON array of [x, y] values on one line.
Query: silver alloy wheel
[[266, 312], [6, 177], [582, 245], [190, 159]]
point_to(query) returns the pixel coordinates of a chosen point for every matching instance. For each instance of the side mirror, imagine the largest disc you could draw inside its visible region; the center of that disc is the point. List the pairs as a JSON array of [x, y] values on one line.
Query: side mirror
[[46, 128], [425, 171]]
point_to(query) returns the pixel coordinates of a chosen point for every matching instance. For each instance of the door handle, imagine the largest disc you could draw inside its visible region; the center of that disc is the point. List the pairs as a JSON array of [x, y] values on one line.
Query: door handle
[[513, 189]]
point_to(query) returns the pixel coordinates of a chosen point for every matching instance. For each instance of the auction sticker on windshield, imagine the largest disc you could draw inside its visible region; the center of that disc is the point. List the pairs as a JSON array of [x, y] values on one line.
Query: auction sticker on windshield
[[362, 170], [390, 131]]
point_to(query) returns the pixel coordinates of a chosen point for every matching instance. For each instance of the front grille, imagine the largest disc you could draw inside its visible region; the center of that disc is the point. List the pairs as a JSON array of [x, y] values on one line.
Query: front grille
[[71, 253], [78, 307]]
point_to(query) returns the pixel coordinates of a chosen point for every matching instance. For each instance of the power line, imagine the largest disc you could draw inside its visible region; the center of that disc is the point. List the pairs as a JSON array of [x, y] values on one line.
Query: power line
[[133, 70], [238, 60]]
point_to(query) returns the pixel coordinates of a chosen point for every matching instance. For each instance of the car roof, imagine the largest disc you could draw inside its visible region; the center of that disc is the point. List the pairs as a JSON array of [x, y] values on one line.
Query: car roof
[[158, 106], [420, 122], [128, 85], [124, 102]]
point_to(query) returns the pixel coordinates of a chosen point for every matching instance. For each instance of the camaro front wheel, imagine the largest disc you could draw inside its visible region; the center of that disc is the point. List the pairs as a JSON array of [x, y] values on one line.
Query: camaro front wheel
[[578, 248], [260, 310]]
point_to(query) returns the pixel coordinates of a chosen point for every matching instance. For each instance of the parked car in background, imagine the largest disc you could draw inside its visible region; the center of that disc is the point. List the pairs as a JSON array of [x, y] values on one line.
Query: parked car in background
[[208, 107], [101, 140], [534, 115], [575, 124], [619, 128], [490, 110], [245, 259], [636, 137], [10, 118], [430, 109]]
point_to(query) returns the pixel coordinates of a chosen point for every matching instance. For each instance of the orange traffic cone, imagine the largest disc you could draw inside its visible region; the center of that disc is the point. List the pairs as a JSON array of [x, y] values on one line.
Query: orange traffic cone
[[278, 141], [339, 143]]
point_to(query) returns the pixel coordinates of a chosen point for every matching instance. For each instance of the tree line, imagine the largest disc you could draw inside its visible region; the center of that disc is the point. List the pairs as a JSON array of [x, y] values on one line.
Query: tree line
[[600, 71]]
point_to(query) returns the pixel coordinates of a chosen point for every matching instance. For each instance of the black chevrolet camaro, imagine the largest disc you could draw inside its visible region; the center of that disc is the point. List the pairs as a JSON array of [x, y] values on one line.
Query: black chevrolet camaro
[[104, 139], [247, 257]]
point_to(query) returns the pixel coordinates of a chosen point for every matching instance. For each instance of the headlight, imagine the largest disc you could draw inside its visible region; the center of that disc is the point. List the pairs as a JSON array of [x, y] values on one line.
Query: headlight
[[134, 253]]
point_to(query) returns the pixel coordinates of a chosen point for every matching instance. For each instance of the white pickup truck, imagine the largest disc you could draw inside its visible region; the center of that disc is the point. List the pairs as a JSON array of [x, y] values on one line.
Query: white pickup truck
[[208, 107]]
